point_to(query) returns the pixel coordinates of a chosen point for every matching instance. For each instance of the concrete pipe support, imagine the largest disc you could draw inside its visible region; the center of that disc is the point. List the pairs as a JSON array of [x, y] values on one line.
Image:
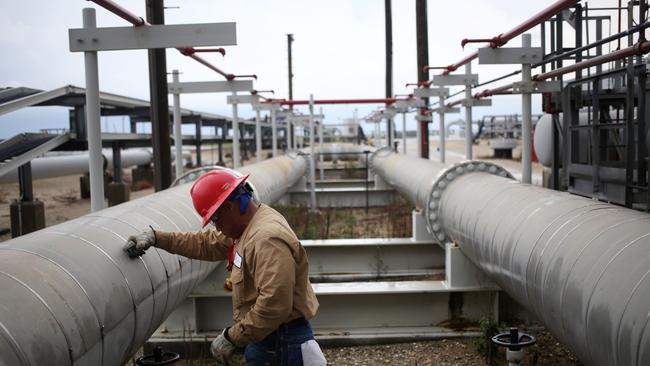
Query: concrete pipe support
[[70, 296], [581, 266]]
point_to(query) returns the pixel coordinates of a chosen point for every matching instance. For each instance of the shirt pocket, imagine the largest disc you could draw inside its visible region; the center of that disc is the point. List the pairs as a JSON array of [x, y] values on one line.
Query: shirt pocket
[[237, 278]]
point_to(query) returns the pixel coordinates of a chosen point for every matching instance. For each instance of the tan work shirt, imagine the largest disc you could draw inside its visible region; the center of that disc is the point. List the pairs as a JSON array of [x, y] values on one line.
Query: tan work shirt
[[270, 276]]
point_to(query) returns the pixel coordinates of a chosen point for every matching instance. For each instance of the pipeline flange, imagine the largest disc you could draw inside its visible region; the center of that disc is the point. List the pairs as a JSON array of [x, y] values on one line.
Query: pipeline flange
[[381, 152], [444, 178]]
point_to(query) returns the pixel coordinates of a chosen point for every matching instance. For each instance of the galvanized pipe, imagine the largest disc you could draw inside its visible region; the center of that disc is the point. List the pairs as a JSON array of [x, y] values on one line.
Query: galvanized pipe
[[70, 296], [581, 266]]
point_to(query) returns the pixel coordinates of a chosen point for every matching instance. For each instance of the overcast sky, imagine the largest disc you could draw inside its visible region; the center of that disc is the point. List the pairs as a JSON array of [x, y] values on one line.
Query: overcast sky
[[338, 50]]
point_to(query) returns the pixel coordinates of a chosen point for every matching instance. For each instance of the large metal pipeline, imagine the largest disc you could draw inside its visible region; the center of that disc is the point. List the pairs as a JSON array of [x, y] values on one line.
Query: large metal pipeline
[[58, 165], [61, 165], [70, 296], [581, 266], [411, 177]]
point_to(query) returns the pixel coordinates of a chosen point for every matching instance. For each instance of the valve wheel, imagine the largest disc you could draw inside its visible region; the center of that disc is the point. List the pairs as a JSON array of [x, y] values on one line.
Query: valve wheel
[[514, 340], [158, 358]]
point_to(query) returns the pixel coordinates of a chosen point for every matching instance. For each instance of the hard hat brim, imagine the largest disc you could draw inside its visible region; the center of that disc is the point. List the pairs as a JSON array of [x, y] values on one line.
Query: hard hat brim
[[222, 199]]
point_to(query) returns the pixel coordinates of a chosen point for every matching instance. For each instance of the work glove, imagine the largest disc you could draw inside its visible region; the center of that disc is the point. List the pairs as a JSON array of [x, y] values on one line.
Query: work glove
[[221, 348], [137, 244]]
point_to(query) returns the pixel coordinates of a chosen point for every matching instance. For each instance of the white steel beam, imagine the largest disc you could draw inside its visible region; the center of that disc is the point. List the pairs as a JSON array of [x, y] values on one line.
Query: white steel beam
[[152, 36], [211, 86]]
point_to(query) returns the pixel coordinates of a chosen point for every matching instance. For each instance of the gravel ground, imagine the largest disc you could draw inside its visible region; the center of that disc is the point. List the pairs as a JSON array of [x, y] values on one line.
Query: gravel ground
[[547, 351]]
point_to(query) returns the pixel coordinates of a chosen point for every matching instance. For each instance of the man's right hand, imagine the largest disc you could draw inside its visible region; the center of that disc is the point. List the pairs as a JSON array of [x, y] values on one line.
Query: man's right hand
[[136, 245]]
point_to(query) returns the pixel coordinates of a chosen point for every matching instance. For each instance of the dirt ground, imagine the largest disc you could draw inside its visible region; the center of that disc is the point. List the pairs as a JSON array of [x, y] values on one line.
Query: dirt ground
[[61, 196]]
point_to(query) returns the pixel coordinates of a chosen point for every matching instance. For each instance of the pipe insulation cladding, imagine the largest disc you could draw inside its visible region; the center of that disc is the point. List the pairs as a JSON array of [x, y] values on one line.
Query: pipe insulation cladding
[[580, 265], [71, 296]]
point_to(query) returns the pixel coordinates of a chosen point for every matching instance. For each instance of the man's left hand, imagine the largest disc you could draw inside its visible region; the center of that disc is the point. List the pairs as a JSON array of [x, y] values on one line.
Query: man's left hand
[[221, 348]]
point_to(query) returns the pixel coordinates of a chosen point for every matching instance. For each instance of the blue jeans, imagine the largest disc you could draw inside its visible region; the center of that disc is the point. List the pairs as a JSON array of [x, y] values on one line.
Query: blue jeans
[[282, 347]]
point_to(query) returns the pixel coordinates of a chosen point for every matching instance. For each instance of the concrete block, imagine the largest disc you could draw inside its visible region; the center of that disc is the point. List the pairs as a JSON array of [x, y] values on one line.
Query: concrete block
[[141, 176], [118, 193], [461, 272], [420, 231], [84, 185], [26, 217]]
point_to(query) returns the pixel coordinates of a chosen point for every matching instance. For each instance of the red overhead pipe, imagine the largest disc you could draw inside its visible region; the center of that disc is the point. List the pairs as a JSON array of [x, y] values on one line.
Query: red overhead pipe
[[422, 84], [453, 67], [337, 101], [190, 50], [502, 90], [186, 51], [121, 12], [244, 76], [503, 38], [452, 104], [636, 50], [255, 92]]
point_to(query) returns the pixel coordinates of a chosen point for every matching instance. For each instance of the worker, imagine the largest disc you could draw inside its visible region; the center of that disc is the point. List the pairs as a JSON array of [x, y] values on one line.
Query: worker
[[271, 294]]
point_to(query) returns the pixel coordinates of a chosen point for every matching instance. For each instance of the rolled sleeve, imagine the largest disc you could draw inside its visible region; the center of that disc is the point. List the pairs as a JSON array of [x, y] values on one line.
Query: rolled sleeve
[[273, 268], [208, 245]]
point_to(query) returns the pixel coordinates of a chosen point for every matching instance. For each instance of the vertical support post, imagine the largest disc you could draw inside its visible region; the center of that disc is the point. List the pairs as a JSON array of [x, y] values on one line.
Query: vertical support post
[[526, 119], [178, 137], [321, 159], [595, 136], [199, 134], [117, 163], [389, 66], [25, 182], [468, 115], [312, 161], [96, 169], [443, 132], [404, 132], [418, 137], [159, 105], [274, 132], [389, 131], [258, 135], [236, 160], [422, 40]]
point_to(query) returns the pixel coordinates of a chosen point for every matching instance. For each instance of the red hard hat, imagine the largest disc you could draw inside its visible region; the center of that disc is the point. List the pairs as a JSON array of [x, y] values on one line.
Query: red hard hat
[[211, 190]]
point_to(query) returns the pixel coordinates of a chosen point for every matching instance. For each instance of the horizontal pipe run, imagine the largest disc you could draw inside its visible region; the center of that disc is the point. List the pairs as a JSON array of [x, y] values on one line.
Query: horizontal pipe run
[[581, 266], [597, 43], [638, 49], [412, 177], [71, 296], [535, 20], [121, 12], [504, 38]]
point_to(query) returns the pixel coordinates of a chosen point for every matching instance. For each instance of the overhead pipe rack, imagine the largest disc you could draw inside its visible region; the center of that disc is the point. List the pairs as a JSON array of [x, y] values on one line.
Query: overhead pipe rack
[[504, 38], [337, 101], [137, 21]]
